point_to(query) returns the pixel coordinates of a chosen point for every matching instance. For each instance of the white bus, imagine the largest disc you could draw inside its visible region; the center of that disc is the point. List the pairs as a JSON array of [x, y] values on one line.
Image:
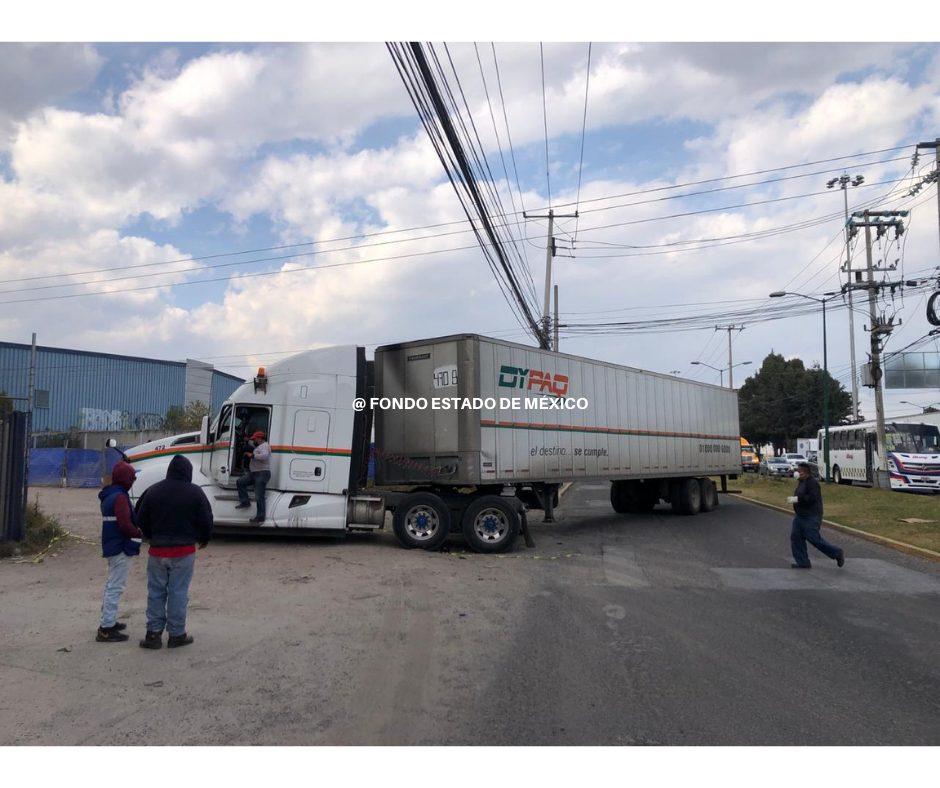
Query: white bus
[[913, 455]]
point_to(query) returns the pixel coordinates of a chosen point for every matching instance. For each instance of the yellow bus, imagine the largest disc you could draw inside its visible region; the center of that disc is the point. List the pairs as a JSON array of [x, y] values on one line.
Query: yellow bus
[[749, 459]]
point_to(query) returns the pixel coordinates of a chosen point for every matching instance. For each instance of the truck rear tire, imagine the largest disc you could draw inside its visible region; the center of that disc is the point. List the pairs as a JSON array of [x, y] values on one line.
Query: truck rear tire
[[687, 497], [422, 520], [709, 495], [490, 524]]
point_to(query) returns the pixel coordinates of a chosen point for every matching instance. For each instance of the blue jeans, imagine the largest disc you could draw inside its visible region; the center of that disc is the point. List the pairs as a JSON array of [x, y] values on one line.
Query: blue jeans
[[168, 593], [806, 529], [118, 566], [257, 479]]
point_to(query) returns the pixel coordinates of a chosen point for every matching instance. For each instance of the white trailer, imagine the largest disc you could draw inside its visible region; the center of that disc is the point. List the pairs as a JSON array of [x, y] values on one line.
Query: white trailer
[[498, 428]]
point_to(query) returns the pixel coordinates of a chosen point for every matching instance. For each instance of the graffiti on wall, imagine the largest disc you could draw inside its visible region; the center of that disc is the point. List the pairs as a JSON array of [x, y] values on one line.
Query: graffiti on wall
[[100, 420]]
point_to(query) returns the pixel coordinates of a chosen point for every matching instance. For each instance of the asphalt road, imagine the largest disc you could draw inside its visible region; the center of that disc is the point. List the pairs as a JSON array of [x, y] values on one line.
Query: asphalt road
[[615, 629]]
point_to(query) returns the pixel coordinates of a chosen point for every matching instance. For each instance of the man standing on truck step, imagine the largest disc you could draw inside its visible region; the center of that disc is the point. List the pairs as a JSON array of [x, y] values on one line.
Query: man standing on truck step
[[258, 476], [808, 507], [120, 542], [174, 515]]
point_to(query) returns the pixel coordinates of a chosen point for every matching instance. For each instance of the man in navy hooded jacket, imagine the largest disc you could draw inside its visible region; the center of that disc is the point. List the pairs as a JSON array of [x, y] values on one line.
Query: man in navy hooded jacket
[[175, 516], [120, 541]]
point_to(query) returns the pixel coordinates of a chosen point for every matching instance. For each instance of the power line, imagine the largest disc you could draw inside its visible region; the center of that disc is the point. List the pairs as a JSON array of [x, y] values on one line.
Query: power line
[[587, 85], [284, 258], [425, 93], [718, 179], [437, 225], [548, 177]]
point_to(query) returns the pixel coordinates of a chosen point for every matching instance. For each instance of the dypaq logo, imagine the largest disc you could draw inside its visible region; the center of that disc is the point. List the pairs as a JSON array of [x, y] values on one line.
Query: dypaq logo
[[533, 380]]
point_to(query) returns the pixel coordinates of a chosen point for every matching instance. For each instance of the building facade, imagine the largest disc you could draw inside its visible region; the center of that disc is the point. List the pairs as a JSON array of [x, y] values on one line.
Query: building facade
[[96, 392]]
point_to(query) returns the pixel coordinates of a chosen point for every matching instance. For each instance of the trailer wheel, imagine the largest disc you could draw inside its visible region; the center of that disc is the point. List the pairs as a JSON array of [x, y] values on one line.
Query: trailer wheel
[[688, 497], [709, 495], [422, 520], [647, 497], [618, 497], [490, 524]]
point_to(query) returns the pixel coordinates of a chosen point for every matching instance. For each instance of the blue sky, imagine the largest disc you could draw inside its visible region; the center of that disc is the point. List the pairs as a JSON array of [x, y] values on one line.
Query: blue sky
[[123, 155]]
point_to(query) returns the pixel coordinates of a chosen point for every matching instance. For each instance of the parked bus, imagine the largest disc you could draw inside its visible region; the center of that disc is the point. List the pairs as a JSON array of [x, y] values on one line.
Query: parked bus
[[913, 455]]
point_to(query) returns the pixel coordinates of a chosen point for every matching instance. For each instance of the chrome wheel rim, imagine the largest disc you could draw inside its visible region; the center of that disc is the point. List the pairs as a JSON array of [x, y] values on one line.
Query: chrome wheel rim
[[422, 522], [491, 525]]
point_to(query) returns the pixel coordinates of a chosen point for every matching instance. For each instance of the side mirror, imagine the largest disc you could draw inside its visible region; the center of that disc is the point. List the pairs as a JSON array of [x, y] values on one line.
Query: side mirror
[[204, 431]]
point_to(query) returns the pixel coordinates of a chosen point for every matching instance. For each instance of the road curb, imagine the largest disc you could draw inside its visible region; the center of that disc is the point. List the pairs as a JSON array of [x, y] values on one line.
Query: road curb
[[903, 547]]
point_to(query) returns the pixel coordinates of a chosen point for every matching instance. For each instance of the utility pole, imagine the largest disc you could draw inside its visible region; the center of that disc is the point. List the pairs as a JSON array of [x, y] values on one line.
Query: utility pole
[[30, 402], [729, 329], [936, 147], [556, 318], [844, 181], [879, 329], [550, 251]]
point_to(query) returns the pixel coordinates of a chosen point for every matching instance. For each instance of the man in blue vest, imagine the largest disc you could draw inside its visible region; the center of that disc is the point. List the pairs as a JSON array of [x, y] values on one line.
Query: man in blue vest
[[120, 541]]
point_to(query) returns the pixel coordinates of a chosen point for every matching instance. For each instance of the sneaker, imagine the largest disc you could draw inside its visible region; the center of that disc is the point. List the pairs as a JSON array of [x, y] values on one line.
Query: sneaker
[[175, 641], [801, 566], [840, 560], [110, 635], [256, 520], [242, 505], [152, 640]]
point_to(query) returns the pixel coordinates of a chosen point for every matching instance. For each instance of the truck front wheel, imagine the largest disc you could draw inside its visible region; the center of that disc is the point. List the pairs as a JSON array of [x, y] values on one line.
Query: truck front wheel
[[490, 524], [422, 520]]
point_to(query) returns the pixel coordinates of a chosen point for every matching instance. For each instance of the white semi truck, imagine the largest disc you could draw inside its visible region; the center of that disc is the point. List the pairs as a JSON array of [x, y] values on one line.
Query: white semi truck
[[512, 423]]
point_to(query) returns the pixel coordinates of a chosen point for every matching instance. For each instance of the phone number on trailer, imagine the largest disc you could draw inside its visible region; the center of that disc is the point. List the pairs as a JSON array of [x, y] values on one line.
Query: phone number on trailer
[[714, 448]]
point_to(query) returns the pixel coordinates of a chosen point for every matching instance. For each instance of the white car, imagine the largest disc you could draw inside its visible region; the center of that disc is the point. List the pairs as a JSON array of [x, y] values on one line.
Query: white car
[[794, 460]]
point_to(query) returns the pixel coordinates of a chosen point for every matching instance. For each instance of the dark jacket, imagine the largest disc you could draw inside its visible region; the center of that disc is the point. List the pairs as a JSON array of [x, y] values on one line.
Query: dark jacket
[[175, 512], [119, 532], [809, 498]]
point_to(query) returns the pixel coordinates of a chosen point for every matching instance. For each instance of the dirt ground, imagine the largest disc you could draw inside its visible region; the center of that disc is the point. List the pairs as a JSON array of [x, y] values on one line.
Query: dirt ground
[[297, 641]]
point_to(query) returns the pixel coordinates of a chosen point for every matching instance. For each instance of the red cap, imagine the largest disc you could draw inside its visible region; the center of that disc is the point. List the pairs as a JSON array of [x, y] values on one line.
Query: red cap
[[258, 436]]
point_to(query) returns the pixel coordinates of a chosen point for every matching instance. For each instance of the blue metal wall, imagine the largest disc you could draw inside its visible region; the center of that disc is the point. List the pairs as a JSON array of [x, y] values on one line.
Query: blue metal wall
[[223, 385], [79, 379]]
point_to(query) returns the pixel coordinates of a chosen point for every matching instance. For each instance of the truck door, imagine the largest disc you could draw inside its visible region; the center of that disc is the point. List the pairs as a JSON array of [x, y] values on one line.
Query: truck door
[[248, 419], [309, 463], [221, 441]]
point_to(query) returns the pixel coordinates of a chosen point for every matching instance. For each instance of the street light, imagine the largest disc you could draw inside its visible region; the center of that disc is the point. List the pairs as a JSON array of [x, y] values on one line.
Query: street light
[[924, 408], [826, 297], [721, 370]]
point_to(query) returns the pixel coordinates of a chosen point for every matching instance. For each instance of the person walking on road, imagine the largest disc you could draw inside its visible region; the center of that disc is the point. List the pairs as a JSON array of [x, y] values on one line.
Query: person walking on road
[[120, 542], [808, 508], [174, 515], [258, 476]]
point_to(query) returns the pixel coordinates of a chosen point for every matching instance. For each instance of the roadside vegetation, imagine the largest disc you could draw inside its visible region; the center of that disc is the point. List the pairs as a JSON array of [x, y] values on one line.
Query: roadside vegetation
[[879, 512], [42, 532]]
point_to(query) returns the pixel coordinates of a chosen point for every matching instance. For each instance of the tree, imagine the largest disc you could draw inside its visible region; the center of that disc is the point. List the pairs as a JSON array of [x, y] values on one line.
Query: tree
[[186, 419], [783, 401]]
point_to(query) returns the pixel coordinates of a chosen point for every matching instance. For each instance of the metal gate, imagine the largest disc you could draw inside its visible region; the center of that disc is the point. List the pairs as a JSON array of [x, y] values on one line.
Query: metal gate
[[12, 476]]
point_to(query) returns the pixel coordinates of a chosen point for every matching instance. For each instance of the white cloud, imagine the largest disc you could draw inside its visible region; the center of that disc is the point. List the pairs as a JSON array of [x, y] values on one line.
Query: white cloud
[[31, 75]]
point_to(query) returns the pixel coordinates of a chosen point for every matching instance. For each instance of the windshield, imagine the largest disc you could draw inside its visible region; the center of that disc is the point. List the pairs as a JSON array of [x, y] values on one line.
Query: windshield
[[795, 457], [747, 447], [913, 438]]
